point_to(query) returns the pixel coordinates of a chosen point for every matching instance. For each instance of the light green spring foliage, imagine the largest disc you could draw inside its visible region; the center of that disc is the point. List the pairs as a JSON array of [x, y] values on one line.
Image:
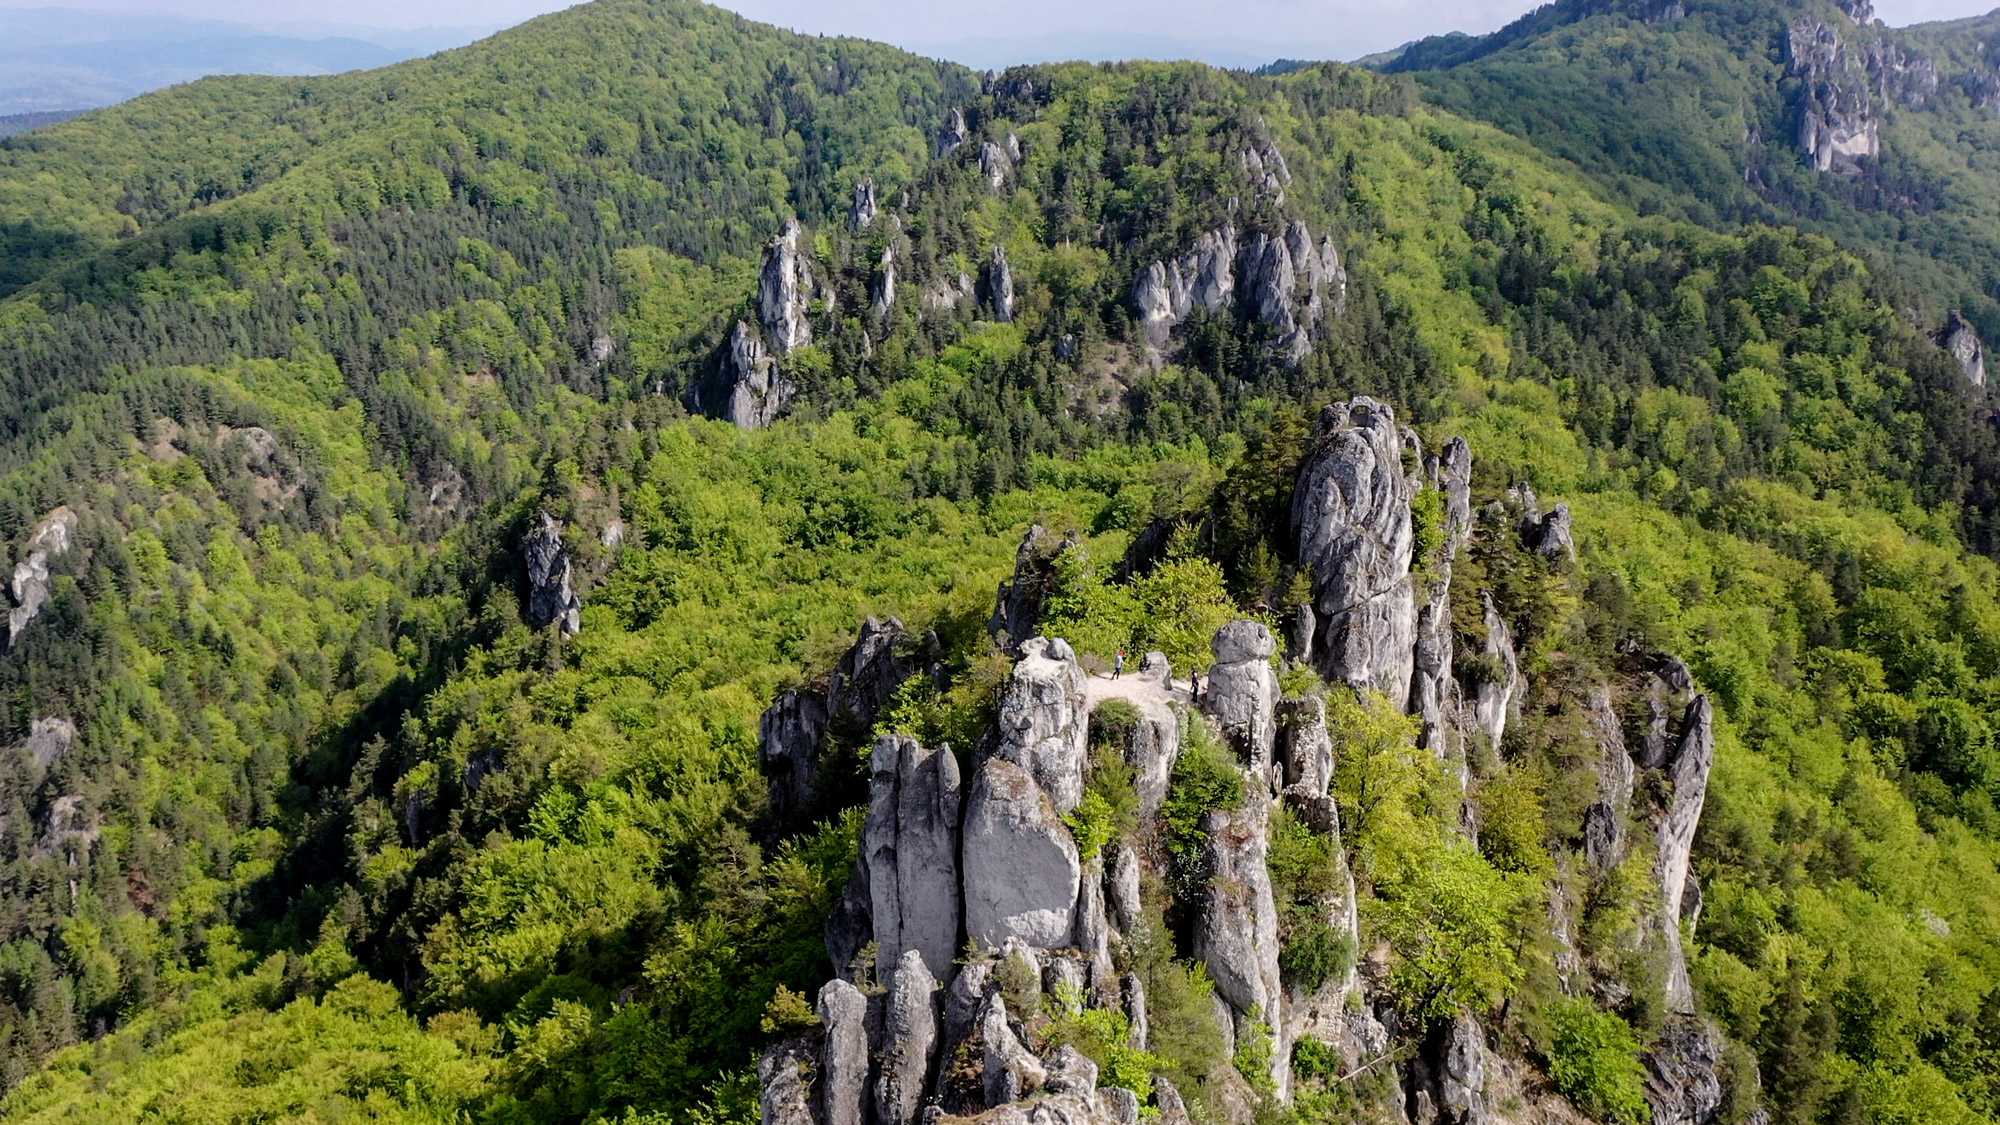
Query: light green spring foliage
[[1174, 608], [1594, 1060]]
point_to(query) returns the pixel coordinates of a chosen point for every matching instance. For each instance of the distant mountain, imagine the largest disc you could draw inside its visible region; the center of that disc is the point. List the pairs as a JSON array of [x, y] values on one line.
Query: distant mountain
[[22, 122], [59, 59]]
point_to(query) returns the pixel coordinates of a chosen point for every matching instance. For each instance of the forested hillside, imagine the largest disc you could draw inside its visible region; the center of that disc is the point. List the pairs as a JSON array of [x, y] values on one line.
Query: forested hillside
[[502, 542]]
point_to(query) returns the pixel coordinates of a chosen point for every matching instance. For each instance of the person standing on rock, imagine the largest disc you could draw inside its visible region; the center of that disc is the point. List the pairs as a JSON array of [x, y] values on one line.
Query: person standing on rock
[[1118, 664]]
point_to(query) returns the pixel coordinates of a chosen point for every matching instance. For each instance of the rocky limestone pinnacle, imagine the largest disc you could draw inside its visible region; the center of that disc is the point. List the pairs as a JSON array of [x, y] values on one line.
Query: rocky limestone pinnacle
[[910, 844], [1243, 690], [1021, 868], [1043, 720], [551, 601], [51, 540], [1351, 522], [783, 288]]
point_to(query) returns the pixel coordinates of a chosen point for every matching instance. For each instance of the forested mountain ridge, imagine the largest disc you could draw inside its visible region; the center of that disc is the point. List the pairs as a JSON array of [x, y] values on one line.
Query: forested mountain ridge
[[418, 711], [1811, 115]]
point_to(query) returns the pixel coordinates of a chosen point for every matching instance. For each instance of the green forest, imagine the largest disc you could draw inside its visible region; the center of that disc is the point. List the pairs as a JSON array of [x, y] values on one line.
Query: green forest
[[313, 812]]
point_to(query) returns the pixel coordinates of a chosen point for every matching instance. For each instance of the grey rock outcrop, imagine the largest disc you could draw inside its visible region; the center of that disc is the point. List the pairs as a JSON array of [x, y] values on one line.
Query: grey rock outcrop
[[1837, 125], [1242, 691], [1122, 887], [1960, 339], [752, 391], [1449, 1077], [1553, 537], [1000, 286], [1236, 932], [783, 288], [1687, 774], [1204, 277], [1683, 1084], [1017, 608], [1044, 720], [868, 673], [1351, 522], [843, 1060], [951, 135], [996, 165], [1604, 835], [1022, 871], [1070, 1072], [884, 297], [866, 207], [1264, 166], [909, 1042], [51, 540], [785, 1075], [1011, 1070], [1433, 690], [910, 844], [788, 739], [1308, 750], [1900, 76], [49, 738], [1499, 689], [551, 600]]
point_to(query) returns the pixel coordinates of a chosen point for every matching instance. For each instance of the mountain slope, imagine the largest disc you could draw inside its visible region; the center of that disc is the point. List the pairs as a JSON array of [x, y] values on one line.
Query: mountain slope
[[391, 728]]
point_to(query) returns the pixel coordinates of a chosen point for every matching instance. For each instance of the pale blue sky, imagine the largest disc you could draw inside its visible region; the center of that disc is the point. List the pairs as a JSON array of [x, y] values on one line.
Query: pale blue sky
[[1229, 31]]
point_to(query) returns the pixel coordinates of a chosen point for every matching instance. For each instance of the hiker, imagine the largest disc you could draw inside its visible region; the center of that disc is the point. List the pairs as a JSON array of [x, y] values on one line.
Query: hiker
[[1118, 664]]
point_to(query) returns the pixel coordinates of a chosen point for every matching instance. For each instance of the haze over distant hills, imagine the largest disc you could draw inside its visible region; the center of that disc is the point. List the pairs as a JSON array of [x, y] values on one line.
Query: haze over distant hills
[[62, 59]]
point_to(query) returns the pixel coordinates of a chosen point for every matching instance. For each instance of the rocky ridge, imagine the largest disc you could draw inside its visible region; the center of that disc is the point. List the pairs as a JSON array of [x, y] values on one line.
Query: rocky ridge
[[987, 914]]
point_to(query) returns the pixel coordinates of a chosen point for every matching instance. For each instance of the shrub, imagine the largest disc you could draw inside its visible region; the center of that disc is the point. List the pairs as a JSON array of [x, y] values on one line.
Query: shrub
[[1594, 1060], [1205, 777]]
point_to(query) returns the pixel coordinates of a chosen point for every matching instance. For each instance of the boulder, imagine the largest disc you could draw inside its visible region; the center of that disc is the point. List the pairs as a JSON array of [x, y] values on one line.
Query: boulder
[[1022, 872], [909, 1042], [1243, 691], [843, 1017], [1351, 521], [1308, 749], [1043, 726], [910, 843], [1070, 1072], [551, 601], [783, 288], [1552, 538]]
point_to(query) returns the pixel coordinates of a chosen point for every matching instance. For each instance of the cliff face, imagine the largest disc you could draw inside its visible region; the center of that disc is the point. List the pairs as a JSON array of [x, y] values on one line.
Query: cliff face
[[1837, 127], [992, 910]]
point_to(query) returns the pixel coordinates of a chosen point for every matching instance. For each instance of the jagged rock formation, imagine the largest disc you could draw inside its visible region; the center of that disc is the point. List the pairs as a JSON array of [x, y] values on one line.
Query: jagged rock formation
[[1551, 535], [1687, 773], [551, 601], [951, 134], [1000, 286], [1203, 277], [51, 540], [1899, 76], [753, 391], [1960, 339], [909, 1039], [1290, 283], [1243, 690], [909, 854], [1042, 720], [49, 738], [1434, 692], [1683, 1074], [1017, 609], [997, 165], [1264, 166], [793, 728], [1499, 689], [1351, 520], [1448, 1078], [884, 297], [1022, 870], [866, 206], [783, 288], [1837, 125]]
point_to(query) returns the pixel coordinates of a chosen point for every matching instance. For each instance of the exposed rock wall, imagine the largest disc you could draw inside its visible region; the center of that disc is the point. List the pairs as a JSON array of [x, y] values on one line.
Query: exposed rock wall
[[783, 288], [1043, 720], [1687, 775], [1351, 521], [1000, 286], [910, 846], [1434, 693], [51, 540], [1236, 933], [1022, 870], [1837, 125], [1242, 692], [551, 600], [750, 389]]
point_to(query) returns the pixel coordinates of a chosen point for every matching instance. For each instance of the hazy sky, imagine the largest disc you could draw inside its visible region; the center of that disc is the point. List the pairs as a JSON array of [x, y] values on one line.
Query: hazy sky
[[1254, 28]]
